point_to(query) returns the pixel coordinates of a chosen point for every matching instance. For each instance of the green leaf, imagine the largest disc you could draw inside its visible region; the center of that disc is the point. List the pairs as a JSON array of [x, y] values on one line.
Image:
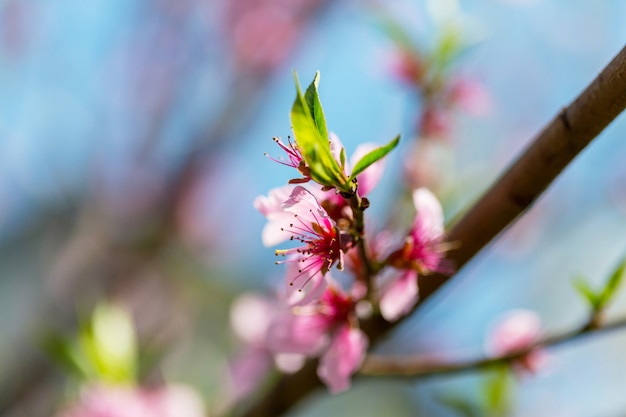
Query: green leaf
[[64, 353], [308, 132], [110, 345], [586, 292], [315, 106], [448, 46], [397, 33], [612, 285], [373, 156], [498, 391]]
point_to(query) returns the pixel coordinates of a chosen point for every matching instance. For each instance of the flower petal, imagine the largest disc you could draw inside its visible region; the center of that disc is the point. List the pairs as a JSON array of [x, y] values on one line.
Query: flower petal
[[400, 296], [428, 223], [343, 357], [304, 287], [513, 331], [298, 333]]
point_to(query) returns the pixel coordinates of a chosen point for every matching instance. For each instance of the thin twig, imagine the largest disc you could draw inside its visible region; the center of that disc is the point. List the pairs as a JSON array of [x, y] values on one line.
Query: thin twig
[[416, 367]]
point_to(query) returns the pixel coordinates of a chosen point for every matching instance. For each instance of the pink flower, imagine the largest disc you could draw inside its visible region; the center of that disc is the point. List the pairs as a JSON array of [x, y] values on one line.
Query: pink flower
[[471, 96], [422, 252], [325, 328], [435, 123], [343, 357], [295, 160], [515, 332], [250, 318], [422, 249], [407, 67], [400, 295], [301, 218], [165, 401]]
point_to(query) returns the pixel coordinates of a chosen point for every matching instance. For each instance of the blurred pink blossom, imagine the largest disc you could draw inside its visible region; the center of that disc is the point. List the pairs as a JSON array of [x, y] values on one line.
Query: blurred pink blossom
[[407, 67], [325, 328], [122, 401], [250, 318], [264, 32], [514, 332], [435, 123], [471, 96]]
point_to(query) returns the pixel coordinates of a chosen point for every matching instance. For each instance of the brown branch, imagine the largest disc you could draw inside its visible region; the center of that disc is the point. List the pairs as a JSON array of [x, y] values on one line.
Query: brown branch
[[415, 367], [552, 150]]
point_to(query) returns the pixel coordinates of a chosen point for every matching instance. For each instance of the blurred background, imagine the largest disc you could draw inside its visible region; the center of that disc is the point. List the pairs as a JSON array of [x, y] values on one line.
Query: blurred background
[[132, 136]]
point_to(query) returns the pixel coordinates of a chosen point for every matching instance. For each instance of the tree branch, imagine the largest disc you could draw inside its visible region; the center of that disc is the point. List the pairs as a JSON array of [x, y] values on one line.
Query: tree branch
[[415, 367], [552, 150]]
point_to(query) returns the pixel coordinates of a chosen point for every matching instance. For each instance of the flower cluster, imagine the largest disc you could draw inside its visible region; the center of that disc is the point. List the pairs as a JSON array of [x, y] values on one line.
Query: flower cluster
[[321, 213]]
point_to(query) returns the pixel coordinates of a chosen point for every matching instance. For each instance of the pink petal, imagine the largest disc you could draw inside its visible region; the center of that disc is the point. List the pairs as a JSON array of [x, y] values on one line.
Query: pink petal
[[368, 179], [272, 204], [303, 333], [307, 286], [428, 223], [513, 331], [343, 357], [177, 401], [247, 371], [472, 97], [303, 203], [250, 317], [400, 296]]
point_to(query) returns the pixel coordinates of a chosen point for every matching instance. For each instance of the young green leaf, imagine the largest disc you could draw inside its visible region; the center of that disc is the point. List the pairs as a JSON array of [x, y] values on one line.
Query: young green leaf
[[498, 391], [315, 147], [612, 285], [64, 353], [373, 156], [580, 284], [315, 106]]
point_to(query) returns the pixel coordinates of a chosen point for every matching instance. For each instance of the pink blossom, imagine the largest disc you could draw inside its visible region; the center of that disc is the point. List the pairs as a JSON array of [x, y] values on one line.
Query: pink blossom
[[422, 252], [514, 332], [435, 123], [406, 66], [343, 357], [122, 401], [400, 295], [295, 160], [471, 96], [325, 328], [423, 249], [301, 218], [250, 318]]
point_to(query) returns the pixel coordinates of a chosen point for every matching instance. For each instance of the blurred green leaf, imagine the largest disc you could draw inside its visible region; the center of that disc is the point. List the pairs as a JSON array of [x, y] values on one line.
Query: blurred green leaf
[[460, 405], [308, 128], [109, 345], [449, 46], [396, 33], [498, 391], [373, 156], [586, 292], [612, 285], [65, 354]]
